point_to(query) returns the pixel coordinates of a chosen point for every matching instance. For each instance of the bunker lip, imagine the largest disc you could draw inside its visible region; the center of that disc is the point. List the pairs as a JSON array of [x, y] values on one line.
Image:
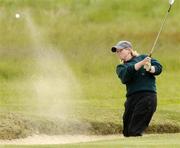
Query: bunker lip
[[58, 139], [17, 126]]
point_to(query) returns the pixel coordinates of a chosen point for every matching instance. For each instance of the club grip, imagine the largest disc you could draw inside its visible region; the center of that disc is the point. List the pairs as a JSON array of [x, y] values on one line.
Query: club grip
[[150, 55], [169, 8]]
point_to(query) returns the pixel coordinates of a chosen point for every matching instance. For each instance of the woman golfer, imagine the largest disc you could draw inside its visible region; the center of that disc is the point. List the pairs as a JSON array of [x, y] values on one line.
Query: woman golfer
[[138, 73]]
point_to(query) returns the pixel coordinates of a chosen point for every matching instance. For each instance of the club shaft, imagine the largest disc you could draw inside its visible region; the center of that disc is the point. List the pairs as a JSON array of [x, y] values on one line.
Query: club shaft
[[162, 26]]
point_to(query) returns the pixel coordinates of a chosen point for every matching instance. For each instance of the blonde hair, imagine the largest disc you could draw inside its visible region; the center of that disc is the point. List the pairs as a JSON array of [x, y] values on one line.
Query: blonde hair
[[134, 53]]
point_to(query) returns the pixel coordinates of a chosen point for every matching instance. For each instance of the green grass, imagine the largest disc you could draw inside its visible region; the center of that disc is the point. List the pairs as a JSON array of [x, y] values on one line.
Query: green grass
[[83, 33], [149, 141]]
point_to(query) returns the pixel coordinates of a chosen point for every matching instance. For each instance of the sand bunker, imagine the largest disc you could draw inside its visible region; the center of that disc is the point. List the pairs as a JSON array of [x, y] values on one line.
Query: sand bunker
[[60, 139]]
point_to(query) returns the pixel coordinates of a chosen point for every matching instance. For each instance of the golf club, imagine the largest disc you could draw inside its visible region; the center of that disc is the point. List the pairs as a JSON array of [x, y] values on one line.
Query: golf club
[[152, 50]]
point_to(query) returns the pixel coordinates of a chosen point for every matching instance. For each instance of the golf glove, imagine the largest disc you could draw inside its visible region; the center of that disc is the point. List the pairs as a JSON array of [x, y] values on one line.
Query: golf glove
[[147, 66]]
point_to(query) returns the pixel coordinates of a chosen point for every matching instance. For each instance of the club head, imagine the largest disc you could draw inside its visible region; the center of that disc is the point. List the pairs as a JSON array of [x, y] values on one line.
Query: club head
[[171, 2]]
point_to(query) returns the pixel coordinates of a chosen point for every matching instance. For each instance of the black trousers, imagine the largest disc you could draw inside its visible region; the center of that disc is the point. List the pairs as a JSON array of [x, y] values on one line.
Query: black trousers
[[139, 109]]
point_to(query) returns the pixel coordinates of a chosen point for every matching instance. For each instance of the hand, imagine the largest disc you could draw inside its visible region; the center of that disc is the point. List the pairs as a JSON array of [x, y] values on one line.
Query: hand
[[146, 59], [147, 63], [147, 66]]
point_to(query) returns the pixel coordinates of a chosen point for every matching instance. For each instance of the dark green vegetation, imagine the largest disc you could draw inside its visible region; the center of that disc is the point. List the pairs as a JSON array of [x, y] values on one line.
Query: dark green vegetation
[[83, 33]]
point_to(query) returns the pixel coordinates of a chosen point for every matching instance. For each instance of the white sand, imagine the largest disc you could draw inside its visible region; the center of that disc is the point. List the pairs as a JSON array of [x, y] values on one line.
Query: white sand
[[58, 139]]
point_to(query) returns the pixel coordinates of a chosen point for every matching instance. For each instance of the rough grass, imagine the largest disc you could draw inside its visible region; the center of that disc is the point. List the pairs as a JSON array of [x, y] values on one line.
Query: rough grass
[[83, 32]]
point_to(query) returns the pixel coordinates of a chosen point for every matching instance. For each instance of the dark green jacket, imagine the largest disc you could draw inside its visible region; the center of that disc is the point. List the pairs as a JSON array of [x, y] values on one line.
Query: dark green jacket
[[137, 81]]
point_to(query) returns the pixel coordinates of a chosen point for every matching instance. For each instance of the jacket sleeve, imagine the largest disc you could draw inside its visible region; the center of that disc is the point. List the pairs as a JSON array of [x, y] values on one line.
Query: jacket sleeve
[[157, 65], [125, 72]]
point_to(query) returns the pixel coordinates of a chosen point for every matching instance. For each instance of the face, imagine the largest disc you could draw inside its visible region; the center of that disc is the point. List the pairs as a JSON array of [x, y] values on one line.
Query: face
[[123, 54]]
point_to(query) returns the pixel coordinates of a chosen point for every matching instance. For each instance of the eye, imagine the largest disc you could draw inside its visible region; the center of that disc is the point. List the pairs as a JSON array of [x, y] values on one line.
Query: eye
[[120, 50]]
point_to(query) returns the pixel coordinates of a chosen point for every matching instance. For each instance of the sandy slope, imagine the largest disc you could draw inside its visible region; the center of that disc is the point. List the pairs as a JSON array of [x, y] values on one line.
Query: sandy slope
[[60, 139]]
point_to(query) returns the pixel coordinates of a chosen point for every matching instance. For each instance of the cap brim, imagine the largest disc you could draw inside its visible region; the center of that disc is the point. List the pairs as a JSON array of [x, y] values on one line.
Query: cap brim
[[113, 49]]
